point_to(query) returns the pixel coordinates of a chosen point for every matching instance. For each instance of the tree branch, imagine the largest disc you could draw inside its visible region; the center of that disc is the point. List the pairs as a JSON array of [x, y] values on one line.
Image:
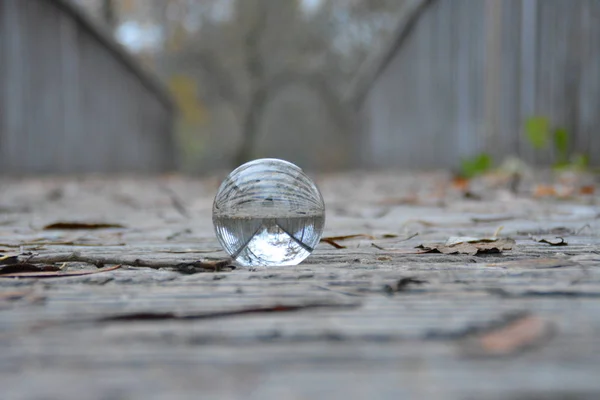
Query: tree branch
[[374, 66], [274, 85]]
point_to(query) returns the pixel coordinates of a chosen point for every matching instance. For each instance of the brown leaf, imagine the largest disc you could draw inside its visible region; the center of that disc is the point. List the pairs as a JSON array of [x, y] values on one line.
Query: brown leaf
[[469, 246], [81, 225], [460, 183], [510, 338], [587, 190], [544, 191], [26, 267], [558, 241], [56, 274]]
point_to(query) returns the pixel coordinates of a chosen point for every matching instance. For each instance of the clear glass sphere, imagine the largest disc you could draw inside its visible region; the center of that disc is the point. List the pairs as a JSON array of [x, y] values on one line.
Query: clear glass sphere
[[267, 212]]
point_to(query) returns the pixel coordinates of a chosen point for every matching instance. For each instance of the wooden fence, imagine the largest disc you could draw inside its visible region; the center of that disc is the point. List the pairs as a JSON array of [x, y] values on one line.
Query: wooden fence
[[71, 100], [472, 71]]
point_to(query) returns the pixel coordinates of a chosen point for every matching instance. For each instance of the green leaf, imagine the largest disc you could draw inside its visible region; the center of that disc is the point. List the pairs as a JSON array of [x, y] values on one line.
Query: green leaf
[[561, 144], [581, 161], [477, 165], [538, 131]]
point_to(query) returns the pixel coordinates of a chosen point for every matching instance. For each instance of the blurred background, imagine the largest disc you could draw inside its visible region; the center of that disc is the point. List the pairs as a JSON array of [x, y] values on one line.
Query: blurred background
[[198, 85]]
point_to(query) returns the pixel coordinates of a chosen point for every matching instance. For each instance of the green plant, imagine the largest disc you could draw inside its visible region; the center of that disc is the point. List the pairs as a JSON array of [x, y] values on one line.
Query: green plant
[[539, 133], [476, 165]]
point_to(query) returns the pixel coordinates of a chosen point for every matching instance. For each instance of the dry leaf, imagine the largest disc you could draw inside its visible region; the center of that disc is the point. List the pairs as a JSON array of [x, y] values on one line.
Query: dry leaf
[[544, 191], [468, 245], [587, 190], [460, 183], [558, 241], [81, 225], [511, 338], [25, 267], [57, 274]]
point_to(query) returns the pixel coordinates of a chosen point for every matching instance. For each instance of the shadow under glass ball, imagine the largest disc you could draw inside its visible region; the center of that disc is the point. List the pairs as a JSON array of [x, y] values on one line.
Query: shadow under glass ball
[[267, 212]]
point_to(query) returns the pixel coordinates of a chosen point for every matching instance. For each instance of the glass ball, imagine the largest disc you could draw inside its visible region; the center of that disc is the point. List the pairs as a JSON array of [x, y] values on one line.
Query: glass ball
[[267, 212]]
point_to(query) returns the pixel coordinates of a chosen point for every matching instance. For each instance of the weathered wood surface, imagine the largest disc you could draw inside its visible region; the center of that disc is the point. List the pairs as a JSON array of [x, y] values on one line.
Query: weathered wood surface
[[471, 72], [59, 338], [71, 100]]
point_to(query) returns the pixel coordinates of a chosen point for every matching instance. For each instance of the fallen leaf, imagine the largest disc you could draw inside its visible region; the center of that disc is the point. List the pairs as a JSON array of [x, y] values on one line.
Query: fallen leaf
[[57, 274], [468, 245], [460, 183], [558, 241], [544, 191], [81, 225], [25, 267], [587, 190], [511, 338]]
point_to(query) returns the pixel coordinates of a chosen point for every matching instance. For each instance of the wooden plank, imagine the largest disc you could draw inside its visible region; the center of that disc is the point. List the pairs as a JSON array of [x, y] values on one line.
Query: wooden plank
[[92, 336]]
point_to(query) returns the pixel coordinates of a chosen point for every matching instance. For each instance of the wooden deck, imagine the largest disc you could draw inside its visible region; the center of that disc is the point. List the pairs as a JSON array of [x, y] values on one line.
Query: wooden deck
[[347, 323]]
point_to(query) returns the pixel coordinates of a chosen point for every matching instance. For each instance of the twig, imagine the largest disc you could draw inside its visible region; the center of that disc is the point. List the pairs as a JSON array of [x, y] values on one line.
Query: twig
[[99, 261]]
